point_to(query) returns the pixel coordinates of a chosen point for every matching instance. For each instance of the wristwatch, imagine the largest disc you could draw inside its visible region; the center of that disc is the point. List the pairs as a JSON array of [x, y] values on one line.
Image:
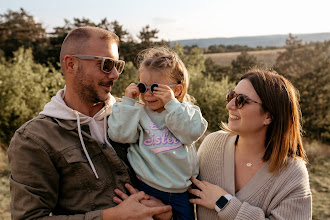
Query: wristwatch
[[222, 202]]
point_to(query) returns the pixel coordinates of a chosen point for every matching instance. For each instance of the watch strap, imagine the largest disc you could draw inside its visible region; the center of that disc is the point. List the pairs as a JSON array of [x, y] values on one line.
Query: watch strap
[[222, 202]]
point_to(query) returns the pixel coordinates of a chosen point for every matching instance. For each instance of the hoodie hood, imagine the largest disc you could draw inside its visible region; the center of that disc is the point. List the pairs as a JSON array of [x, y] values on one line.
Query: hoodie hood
[[57, 108]]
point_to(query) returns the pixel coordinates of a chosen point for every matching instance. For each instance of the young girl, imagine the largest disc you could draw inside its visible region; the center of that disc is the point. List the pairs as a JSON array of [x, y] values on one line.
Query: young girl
[[162, 131]]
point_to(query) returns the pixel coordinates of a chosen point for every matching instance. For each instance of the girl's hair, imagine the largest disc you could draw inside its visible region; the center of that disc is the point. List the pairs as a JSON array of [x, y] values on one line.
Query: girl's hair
[[167, 62], [281, 99]]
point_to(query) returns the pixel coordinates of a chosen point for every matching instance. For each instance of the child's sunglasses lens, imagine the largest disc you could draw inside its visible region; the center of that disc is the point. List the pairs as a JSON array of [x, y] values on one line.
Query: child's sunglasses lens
[[153, 86], [142, 87], [108, 65]]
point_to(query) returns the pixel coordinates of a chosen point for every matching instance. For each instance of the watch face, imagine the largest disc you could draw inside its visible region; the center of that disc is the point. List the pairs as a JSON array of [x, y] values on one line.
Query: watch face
[[221, 202]]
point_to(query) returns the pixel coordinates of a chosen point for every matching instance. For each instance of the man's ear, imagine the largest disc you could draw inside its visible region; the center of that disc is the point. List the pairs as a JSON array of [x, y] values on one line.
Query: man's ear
[[177, 90], [69, 64]]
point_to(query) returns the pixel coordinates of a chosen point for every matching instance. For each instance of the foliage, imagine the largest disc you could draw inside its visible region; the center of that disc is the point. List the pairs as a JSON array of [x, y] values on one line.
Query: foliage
[[308, 68], [242, 63], [127, 77], [20, 29], [209, 94], [25, 87]]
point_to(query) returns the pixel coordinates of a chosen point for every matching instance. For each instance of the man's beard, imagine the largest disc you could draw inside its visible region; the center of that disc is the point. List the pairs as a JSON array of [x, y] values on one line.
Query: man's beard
[[86, 90]]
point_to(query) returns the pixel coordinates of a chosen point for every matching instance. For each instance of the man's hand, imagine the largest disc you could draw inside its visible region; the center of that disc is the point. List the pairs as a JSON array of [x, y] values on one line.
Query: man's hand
[[148, 202]]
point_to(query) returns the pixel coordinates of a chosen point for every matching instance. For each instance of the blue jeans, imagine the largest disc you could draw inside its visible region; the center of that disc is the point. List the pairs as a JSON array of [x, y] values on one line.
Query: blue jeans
[[181, 207]]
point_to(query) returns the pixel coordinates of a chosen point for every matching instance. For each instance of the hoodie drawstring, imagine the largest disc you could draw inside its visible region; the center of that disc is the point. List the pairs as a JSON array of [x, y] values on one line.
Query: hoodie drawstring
[[83, 145]]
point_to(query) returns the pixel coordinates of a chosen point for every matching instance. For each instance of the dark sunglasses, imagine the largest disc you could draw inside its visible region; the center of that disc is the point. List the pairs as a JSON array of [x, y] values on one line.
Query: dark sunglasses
[[107, 63], [240, 99], [143, 88]]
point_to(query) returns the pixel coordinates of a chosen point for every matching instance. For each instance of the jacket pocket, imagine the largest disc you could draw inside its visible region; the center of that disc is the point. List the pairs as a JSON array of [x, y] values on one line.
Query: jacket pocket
[[78, 169]]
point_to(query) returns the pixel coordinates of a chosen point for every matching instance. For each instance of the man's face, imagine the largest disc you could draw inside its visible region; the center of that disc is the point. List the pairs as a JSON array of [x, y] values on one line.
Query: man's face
[[91, 83]]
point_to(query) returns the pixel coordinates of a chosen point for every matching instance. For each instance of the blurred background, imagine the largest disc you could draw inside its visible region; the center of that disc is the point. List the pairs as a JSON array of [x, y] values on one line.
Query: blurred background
[[217, 40]]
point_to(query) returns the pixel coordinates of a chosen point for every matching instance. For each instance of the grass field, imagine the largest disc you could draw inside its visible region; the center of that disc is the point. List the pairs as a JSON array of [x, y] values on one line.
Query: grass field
[[319, 172], [266, 57]]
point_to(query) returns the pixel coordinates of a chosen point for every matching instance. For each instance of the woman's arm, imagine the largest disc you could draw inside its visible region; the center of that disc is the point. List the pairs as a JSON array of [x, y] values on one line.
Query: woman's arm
[[295, 205]]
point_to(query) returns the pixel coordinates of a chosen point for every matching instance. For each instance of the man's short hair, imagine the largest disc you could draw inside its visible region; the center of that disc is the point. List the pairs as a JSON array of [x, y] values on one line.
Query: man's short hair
[[77, 39]]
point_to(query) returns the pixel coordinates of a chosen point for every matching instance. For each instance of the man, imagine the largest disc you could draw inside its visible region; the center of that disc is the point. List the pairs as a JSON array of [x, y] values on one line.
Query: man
[[62, 163]]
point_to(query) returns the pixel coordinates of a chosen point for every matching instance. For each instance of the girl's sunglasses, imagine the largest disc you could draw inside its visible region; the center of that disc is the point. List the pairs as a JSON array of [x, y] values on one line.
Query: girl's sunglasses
[[107, 63], [143, 88], [240, 99]]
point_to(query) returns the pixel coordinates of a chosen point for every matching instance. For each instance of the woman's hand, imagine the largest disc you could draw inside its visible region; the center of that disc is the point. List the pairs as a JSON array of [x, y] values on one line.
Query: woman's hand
[[148, 201], [208, 193]]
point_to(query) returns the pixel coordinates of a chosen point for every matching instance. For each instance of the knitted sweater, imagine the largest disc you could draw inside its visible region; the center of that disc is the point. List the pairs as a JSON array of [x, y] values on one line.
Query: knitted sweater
[[286, 195]]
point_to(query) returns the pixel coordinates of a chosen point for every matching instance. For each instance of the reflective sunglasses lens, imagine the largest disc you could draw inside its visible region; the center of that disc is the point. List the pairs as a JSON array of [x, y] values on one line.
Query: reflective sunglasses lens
[[153, 86], [120, 67], [240, 101], [230, 96], [108, 65], [142, 87]]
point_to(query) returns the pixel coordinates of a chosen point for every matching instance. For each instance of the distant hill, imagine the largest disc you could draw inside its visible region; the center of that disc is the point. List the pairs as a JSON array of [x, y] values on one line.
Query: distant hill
[[263, 41]]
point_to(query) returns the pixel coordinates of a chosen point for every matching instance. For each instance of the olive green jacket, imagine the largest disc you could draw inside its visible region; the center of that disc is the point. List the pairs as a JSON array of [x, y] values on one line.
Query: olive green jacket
[[51, 177]]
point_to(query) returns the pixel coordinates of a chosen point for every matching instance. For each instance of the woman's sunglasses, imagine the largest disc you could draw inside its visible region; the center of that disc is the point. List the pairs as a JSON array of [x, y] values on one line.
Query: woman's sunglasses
[[143, 88], [107, 63], [240, 99]]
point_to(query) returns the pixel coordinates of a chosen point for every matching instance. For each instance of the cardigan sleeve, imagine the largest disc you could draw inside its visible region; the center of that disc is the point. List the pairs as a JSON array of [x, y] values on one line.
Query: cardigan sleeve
[[292, 198]]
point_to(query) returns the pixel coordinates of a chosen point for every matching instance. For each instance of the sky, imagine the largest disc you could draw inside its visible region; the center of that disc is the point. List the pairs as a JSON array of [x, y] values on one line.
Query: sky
[[186, 19]]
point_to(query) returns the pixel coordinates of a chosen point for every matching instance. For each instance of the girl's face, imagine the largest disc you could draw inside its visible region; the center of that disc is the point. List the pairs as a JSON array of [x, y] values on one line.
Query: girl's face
[[251, 118], [150, 77]]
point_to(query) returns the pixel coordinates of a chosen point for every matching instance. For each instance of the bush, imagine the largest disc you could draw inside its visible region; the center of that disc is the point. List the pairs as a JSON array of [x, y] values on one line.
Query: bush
[[25, 87]]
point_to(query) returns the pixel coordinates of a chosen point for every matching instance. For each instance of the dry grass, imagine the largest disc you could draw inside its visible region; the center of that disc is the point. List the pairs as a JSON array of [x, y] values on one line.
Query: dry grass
[[4, 186], [266, 57], [318, 167]]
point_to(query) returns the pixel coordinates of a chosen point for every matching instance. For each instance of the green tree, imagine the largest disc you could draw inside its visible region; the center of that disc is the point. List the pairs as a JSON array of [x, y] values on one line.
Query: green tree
[[20, 29], [243, 62], [127, 77], [308, 68], [25, 87], [208, 93]]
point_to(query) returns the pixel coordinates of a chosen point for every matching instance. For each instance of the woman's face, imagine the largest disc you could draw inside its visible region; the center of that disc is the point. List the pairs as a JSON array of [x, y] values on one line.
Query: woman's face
[[251, 118]]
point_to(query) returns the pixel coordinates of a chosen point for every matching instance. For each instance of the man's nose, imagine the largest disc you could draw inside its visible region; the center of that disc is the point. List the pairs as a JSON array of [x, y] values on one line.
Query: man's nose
[[113, 74]]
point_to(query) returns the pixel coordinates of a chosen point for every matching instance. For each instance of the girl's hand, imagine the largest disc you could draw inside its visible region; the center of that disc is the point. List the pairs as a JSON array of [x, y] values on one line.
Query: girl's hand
[[132, 91], [164, 92], [208, 193]]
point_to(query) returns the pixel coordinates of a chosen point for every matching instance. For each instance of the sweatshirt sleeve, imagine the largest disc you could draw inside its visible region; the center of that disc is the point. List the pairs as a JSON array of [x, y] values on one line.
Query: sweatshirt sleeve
[[185, 121], [124, 121]]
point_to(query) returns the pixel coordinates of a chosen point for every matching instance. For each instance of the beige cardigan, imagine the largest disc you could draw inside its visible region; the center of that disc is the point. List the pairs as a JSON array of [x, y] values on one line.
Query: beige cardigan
[[284, 196]]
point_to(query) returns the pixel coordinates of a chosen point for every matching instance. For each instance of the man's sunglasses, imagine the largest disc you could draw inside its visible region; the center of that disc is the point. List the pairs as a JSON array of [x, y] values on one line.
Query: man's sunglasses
[[240, 99], [143, 88], [107, 63]]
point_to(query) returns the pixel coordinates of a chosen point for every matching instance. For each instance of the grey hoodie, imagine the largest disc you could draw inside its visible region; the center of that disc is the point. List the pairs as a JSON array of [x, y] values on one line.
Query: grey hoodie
[[57, 108]]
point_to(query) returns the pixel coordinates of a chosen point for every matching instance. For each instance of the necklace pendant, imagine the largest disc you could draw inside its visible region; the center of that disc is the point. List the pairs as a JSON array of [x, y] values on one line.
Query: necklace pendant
[[249, 164]]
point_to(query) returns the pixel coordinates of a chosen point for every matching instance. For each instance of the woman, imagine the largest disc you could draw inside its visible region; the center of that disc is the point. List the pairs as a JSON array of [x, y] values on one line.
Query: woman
[[255, 168]]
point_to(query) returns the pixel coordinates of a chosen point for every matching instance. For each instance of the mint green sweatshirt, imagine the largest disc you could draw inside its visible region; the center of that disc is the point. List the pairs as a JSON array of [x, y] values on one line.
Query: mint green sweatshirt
[[162, 151]]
